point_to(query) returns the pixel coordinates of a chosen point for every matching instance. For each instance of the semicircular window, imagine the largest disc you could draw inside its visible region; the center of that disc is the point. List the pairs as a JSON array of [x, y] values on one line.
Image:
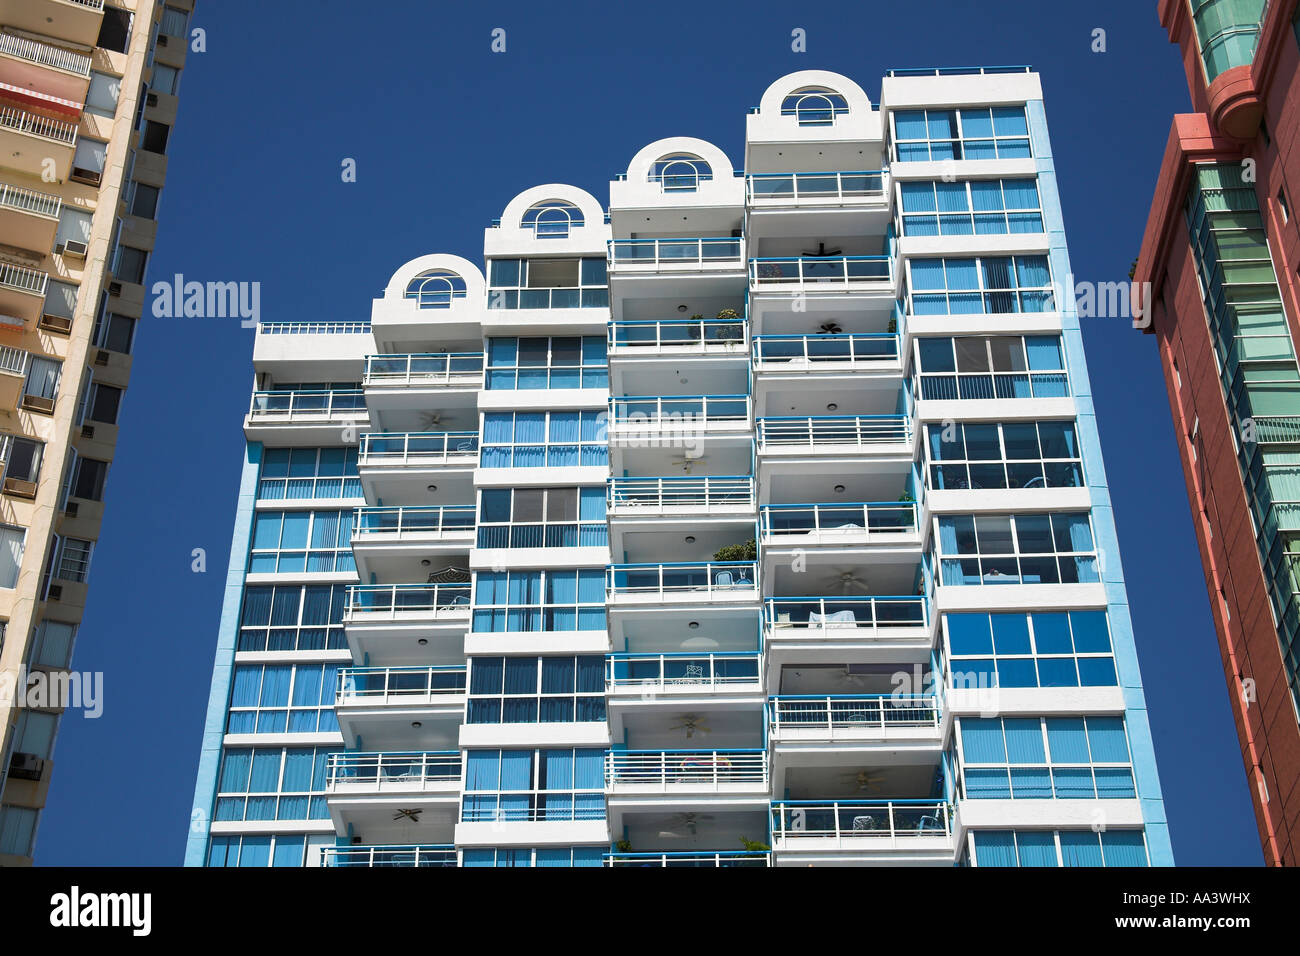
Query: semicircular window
[[814, 106], [552, 219], [435, 288], [681, 172]]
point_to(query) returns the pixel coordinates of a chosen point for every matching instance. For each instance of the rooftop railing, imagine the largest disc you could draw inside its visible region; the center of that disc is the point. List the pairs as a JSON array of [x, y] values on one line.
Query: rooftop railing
[[392, 770], [313, 328], [676, 333], [694, 769], [685, 579], [787, 617], [421, 520], [704, 859], [24, 280], [871, 517], [448, 368], [821, 273], [779, 351], [380, 684], [833, 430], [381, 448], [682, 671], [309, 405], [961, 71], [656, 409], [393, 600], [676, 251], [666, 494], [29, 200], [44, 54], [24, 122], [792, 187], [371, 856], [859, 819], [856, 712]]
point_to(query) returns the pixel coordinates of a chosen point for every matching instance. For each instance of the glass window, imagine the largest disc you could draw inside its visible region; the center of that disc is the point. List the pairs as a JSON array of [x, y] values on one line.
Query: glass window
[[540, 439], [1000, 132], [1008, 455], [1066, 758], [539, 785], [103, 94], [296, 473], [539, 601], [989, 285], [542, 518], [548, 283], [996, 366], [283, 698], [814, 106], [680, 172], [115, 332], [272, 783], [297, 542], [1020, 549], [435, 289], [88, 479], [536, 690], [982, 207], [552, 219], [293, 618], [74, 559], [1068, 649]]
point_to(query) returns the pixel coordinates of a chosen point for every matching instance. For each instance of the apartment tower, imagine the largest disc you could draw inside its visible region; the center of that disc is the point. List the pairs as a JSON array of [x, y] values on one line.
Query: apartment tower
[[87, 102], [754, 519], [1221, 255]]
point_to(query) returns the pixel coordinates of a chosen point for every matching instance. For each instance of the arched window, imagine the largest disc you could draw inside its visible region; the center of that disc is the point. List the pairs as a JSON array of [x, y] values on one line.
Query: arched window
[[435, 288], [552, 219], [681, 172], [814, 106]]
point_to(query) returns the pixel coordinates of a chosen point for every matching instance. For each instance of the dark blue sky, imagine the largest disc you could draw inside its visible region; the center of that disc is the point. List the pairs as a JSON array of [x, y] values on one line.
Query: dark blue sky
[[445, 133]]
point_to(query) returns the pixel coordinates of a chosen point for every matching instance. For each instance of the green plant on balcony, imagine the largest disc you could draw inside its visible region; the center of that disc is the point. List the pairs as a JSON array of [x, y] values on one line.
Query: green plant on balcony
[[892, 327], [746, 551], [729, 330], [623, 846], [753, 846]]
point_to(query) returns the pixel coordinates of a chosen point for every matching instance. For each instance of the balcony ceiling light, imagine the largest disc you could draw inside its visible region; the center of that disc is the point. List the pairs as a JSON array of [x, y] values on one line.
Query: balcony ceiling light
[[416, 724], [831, 407], [423, 641], [433, 487], [425, 562], [681, 308], [690, 539], [693, 625], [839, 489]]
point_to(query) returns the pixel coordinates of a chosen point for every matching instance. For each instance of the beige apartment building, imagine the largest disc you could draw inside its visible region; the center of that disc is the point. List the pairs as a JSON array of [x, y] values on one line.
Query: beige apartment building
[[88, 98]]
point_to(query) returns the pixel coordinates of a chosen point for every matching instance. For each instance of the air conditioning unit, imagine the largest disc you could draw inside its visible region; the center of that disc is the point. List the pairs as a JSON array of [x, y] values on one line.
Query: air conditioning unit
[[71, 509], [26, 766], [87, 431], [36, 403], [75, 248], [19, 488], [115, 288], [91, 177], [101, 357], [56, 323], [151, 99], [55, 593]]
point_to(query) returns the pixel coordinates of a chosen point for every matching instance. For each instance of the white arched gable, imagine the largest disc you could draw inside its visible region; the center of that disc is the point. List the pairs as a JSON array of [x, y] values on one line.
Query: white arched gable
[[475, 286], [593, 214], [638, 171], [858, 101]]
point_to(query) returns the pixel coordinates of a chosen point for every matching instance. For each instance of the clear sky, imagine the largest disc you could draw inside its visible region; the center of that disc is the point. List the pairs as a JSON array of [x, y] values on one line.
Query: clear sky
[[444, 133]]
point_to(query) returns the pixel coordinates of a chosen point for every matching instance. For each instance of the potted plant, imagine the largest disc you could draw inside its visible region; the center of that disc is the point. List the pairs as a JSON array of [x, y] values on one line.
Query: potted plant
[[753, 846], [745, 551], [729, 329], [623, 846], [892, 327]]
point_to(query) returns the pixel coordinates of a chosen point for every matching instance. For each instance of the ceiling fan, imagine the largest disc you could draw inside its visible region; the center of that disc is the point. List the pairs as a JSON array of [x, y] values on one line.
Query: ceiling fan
[[691, 723], [687, 462], [412, 814], [683, 821], [450, 575], [822, 251], [831, 327], [430, 420], [870, 781], [847, 581]]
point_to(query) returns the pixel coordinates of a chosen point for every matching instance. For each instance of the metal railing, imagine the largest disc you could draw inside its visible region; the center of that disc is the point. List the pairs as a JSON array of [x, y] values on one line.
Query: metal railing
[[872, 517], [24, 280], [370, 856], [823, 272], [859, 819], [833, 430], [45, 54], [784, 614], [392, 770], [90, 4], [309, 405], [781, 350], [699, 858], [25, 122], [661, 333], [380, 448], [312, 328], [431, 600], [711, 577], [961, 70], [29, 200], [655, 409], [705, 491], [414, 520], [792, 187], [446, 368], [648, 672], [950, 386], [1277, 429], [377, 684], [14, 361], [673, 251], [697, 769], [559, 534], [854, 712]]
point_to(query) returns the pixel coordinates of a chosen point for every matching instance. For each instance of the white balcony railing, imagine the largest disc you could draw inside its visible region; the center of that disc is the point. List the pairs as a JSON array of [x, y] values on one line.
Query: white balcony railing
[[859, 820], [666, 495], [641, 336], [313, 328], [418, 448], [89, 4], [637, 410], [14, 361], [722, 858], [783, 189], [44, 54], [308, 406], [29, 200], [392, 771], [820, 273], [461, 369], [857, 712], [779, 522], [730, 579], [823, 352], [407, 601], [22, 279], [24, 122], [812, 617], [396, 523], [839, 430], [693, 770], [679, 671], [382, 685], [670, 253], [372, 856]]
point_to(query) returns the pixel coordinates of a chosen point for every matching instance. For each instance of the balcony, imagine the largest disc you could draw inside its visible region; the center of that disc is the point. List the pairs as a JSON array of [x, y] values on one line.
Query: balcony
[[77, 21], [677, 338], [22, 295], [654, 586], [401, 389], [667, 678], [29, 219], [655, 256], [372, 856], [822, 274], [400, 465], [840, 527], [391, 542], [33, 65], [27, 140], [826, 354], [834, 436], [449, 369], [706, 496], [396, 708], [809, 190], [306, 417], [671, 421], [391, 797], [897, 721], [1277, 429], [857, 832], [783, 204], [378, 773], [833, 629], [698, 859], [686, 772], [13, 376], [407, 624]]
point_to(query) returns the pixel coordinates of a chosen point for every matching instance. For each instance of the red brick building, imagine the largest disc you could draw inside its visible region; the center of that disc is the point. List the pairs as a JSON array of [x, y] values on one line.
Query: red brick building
[[1221, 252]]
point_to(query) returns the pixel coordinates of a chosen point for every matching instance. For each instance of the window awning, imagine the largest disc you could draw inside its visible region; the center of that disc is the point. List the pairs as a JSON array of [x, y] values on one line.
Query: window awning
[[41, 100]]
